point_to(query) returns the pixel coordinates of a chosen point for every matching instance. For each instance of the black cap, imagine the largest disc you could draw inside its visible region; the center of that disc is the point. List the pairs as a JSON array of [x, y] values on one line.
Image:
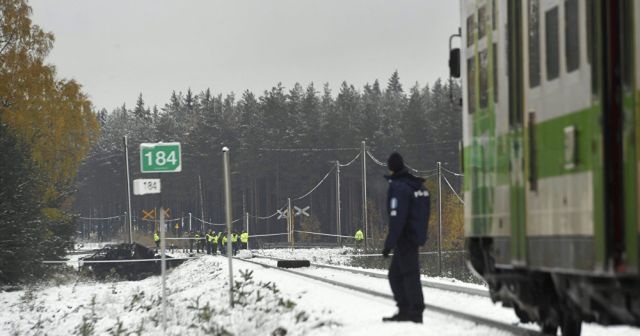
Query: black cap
[[395, 162]]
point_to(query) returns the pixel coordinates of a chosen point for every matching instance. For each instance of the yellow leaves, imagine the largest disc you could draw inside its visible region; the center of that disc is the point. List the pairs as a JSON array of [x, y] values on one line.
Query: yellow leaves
[[52, 116]]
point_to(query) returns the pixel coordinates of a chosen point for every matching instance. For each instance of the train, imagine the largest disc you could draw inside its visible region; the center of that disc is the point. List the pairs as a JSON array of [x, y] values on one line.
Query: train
[[551, 157]]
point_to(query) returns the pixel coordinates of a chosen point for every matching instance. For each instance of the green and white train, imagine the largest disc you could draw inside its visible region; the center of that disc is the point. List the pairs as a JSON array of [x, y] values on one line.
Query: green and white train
[[551, 155]]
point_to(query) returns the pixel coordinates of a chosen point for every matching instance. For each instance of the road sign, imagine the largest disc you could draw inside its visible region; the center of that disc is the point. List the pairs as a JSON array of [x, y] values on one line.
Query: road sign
[[162, 157], [301, 211], [146, 186], [149, 215]]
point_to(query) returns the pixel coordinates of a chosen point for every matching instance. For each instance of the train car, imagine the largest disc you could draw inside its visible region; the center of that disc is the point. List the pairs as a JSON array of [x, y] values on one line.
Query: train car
[[551, 149]]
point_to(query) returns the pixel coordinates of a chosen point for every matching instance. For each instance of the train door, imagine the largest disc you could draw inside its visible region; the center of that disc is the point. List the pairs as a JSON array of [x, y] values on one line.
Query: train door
[[636, 16], [619, 139], [517, 148]]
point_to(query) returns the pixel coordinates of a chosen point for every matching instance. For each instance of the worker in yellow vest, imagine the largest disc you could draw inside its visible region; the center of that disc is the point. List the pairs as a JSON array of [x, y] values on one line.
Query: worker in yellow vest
[[244, 239], [234, 242], [156, 239], [359, 236], [223, 248], [214, 243]]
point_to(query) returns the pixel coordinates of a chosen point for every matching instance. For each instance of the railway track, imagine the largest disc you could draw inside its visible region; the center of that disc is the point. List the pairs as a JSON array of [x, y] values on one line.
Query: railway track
[[425, 283], [515, 330]]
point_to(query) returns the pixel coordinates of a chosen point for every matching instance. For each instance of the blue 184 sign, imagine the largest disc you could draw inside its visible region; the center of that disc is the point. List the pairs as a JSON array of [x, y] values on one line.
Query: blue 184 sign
[[162, 157]]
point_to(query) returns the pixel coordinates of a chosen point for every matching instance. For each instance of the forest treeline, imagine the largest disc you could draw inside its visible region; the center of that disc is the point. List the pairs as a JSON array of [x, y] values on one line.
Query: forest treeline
[[62, 161], [282, 142], [46, 128]]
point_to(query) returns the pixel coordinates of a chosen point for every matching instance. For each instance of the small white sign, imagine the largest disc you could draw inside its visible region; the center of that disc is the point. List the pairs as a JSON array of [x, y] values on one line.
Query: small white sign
[[302, 211], [146, 186]]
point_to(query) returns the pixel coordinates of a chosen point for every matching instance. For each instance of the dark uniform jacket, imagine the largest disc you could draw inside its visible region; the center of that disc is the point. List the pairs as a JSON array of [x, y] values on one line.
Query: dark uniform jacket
[[409, 205]]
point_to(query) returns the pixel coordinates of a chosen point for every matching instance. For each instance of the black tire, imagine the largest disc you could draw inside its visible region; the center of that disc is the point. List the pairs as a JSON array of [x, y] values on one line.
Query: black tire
[[293, 263], [571, 326], [550, 329]]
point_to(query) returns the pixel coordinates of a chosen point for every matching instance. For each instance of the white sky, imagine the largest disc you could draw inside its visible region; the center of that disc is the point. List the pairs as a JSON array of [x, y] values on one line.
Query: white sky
[[119, 48]]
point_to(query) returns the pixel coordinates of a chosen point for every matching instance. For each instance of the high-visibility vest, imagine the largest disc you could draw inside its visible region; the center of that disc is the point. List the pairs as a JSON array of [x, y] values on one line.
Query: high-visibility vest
[[234, 238], [359, 235], [156, 237], [244, 237], [224, 239], [207, 237], [215, 238]]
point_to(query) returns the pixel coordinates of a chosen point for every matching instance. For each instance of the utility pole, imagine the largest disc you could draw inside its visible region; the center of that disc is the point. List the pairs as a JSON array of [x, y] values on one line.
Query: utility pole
[[439, 218], [247, 219], [338, 224], [364, 195], [227, 202], [189, 223], [290, 221], [163, 268], [201, 204], [126, 156]]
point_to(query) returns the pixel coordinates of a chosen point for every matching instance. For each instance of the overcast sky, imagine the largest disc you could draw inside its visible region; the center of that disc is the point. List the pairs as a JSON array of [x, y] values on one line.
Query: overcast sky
[[119, 48]]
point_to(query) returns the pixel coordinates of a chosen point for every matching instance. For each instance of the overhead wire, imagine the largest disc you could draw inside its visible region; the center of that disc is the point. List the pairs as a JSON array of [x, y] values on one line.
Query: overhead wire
[[450, 187], [316, 187], [350, 162]]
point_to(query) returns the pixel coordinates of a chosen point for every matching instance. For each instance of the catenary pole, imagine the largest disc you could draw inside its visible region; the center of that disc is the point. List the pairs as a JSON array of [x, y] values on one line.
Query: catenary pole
[[189, 222], [227, 203], [163, 266], [439, 218], [364, 195], [126, 156], [247, 219], [338, 224]]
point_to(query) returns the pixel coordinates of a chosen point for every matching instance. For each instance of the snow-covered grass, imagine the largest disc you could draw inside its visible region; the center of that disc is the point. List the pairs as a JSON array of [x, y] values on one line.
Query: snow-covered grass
[[198, 305]]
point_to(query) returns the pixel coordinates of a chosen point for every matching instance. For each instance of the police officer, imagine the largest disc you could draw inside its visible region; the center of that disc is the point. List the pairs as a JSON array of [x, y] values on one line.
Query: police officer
[[207, 241], [156, 239], [408, 210], [223, 247], [234, 242], [214, 243], [198, 241], [244, 239], [359, 237]]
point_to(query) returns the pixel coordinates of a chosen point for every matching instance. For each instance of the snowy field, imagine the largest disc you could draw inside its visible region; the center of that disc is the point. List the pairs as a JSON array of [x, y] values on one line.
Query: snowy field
[[268, 302]]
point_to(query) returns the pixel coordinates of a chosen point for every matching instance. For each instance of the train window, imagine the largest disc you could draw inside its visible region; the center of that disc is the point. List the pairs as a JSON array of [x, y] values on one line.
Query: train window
[[627, 44], [495, 72], [482, 22], [470, 29], [572, 34], [494, 6], [552, 41], [471, 88], [591, 50], [534, 43], [484, 79]]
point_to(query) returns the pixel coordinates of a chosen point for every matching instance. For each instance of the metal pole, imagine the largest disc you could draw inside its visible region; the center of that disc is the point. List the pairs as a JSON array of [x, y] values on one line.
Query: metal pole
[[201, 204], [126, 156], [290, 220], [247, 216], [338, 224], [163, 270], [439, 218], [227, 203], [364, 195], [189, 222]]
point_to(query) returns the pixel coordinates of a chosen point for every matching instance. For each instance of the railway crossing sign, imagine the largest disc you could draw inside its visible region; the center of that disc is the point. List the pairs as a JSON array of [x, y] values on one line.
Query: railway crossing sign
[[301, 211], [162, 157], [149, 215], [298, 211]]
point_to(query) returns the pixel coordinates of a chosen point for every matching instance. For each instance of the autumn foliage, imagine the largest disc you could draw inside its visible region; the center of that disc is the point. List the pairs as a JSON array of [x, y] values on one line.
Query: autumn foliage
[[51, 120]]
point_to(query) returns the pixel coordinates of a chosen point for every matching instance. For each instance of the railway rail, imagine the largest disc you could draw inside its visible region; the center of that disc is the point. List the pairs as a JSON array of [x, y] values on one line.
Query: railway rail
[[513, 329], [425, 283]]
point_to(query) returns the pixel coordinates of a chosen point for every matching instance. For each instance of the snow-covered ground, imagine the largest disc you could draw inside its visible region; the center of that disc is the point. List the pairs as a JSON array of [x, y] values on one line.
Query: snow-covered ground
[[268, 303]]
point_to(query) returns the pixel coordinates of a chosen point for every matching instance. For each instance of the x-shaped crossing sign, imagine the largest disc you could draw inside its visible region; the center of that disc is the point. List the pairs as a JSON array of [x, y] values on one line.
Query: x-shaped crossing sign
[[301, 211], [282, 214]]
